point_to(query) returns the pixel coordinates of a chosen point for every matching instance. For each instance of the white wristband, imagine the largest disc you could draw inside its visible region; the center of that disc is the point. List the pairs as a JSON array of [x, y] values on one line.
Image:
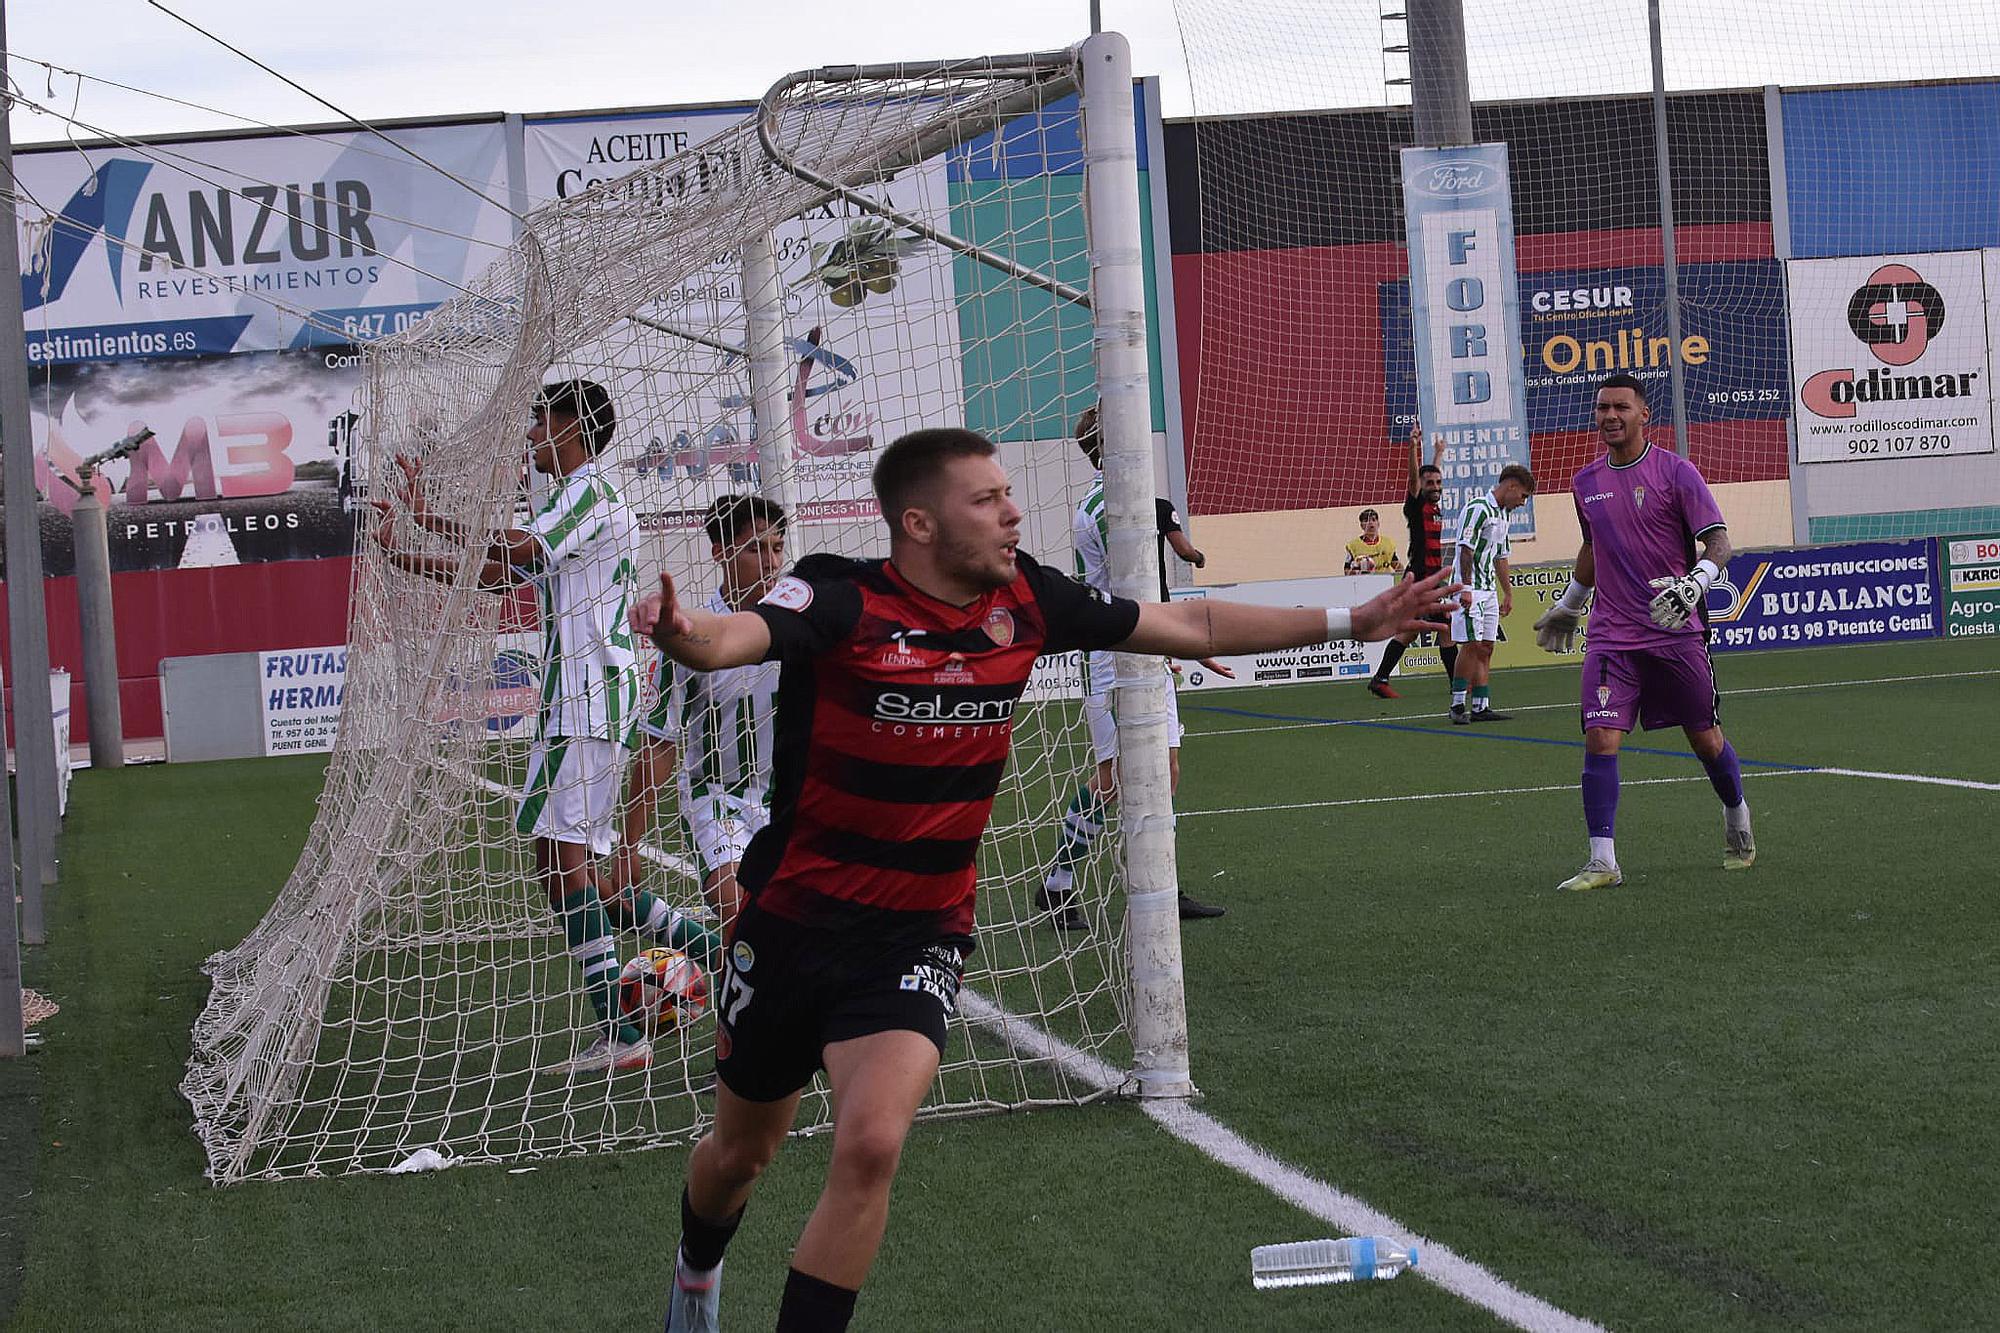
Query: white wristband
[[1575, 598], [1706, 573], [1339, 623]]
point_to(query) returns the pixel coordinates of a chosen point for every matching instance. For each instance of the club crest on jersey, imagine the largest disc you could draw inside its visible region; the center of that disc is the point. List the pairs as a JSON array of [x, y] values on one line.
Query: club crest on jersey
[[741, 956], [999, 626], [1604, 696], [789, 594], [1638, 497]]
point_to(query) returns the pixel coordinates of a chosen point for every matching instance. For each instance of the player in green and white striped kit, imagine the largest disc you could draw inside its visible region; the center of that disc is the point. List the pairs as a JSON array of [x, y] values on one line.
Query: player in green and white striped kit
[[721, 721], [1484, 544], [577, 552]]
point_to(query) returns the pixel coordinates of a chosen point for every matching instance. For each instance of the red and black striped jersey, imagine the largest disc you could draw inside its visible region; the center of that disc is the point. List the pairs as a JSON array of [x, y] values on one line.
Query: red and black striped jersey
[[1426, 535], [895, 715]]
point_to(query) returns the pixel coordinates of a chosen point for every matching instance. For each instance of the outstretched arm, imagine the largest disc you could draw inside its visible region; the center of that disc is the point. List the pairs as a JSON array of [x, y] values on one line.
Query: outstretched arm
[[1210, 627], [704, 640], [1416, 456]]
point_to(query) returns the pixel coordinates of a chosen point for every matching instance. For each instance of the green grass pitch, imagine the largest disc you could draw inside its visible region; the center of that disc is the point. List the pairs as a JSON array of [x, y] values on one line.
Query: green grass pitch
[[1760, 1101]]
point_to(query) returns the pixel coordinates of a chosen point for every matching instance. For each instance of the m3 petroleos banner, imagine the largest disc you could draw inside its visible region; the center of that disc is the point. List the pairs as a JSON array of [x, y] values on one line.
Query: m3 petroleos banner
[[253, 457], [1465, 315], [253, 244], [1890, 357]]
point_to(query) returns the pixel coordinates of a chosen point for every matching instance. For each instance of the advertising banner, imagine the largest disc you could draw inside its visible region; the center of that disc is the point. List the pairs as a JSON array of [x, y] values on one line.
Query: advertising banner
[[251, 457], [1465, 316], [1867, 592], [302, 691], [1583, 324], [876, 359], [1346, 660], [233, 245], [1971, 587], [1890, 357]]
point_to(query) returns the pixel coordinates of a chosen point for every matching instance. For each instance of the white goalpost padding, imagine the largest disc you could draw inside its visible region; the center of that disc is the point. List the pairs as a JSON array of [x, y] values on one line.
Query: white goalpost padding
[[878, 250]]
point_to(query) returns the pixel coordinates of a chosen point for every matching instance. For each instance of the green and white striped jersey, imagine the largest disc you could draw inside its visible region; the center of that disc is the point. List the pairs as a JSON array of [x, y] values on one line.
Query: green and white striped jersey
[[1483, 530], [590, 670], [723, 722], [1090, 534]]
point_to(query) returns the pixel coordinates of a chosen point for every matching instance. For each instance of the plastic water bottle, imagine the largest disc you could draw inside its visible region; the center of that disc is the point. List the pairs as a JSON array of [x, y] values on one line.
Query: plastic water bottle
[[1309, 1263]]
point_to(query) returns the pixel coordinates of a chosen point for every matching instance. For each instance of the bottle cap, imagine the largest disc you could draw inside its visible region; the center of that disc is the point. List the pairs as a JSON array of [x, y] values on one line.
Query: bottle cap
[[1413, 1256]]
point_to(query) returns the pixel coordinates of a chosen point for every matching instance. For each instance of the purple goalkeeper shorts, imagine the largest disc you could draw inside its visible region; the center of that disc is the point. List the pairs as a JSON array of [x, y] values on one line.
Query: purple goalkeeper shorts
[[1671, 685]]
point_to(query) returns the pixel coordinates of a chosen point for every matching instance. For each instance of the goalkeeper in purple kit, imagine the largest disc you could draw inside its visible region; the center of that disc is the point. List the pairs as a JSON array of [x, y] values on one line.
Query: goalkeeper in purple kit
[[1643, 512]]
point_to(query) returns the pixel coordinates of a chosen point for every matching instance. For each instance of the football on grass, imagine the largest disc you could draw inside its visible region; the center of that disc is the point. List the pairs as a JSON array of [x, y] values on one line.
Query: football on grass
[[662, 989]]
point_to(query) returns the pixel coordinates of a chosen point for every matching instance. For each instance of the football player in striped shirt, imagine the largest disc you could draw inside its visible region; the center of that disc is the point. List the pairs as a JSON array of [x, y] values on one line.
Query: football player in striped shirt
[[1483, 547], [1420, 511], [719, 724], [577, 553], [899, 682]]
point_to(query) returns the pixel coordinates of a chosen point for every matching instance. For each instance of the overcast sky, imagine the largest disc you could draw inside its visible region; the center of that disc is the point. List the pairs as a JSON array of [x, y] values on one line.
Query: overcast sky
[[383, 59]]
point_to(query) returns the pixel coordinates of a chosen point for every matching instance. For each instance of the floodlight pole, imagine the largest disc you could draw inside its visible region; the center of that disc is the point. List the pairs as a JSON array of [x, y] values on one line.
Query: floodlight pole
[[1440, 89], [1669, 258], [27, 616]]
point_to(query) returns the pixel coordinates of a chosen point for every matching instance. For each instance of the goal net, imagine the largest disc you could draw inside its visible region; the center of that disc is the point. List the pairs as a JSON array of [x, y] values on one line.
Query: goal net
[[876, 251], [1813, 149]]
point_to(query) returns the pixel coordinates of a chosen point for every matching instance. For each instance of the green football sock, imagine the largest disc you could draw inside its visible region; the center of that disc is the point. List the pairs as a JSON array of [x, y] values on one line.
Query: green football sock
[[587, 930]]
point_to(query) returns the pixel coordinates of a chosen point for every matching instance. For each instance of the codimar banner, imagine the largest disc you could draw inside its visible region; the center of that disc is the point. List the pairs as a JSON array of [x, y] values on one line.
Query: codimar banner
[[1890, 357], [257, 243], [854, 384], [1465, 316]]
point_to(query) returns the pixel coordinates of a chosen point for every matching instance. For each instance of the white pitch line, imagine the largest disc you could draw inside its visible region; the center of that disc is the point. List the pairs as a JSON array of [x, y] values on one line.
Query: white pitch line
[[1205, 1134], [1910, 777], [1510, 791], [1434, 714]]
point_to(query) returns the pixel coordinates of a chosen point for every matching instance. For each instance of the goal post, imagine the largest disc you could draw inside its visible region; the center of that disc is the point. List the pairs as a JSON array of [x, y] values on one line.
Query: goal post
[[877, 250]]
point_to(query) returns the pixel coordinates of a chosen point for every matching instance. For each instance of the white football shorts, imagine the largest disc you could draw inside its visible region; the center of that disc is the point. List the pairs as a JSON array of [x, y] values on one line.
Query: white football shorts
[[1099, 712], [722, 825], [1479, 623], [571, 794]]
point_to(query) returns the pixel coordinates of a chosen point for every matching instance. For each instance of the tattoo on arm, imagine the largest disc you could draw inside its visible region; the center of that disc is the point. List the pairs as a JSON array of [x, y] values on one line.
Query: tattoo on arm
[[1208, 625]]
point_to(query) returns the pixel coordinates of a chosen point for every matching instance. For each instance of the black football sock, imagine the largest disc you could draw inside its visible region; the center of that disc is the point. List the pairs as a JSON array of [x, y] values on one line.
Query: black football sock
[[811, 1305], [1390, 656]]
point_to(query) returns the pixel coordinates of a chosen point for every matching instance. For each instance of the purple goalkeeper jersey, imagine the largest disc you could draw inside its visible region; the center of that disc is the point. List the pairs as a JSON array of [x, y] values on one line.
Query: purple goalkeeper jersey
[[1641, 521]]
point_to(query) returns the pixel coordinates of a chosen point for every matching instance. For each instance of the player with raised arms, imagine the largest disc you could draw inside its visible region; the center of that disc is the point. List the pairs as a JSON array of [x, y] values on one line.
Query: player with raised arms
[[899, 682], [1643, 511], [577, 552]]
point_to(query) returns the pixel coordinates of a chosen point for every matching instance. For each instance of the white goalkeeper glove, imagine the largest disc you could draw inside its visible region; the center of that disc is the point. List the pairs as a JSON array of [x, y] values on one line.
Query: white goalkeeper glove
[[1679, 599], [1555, 631]]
